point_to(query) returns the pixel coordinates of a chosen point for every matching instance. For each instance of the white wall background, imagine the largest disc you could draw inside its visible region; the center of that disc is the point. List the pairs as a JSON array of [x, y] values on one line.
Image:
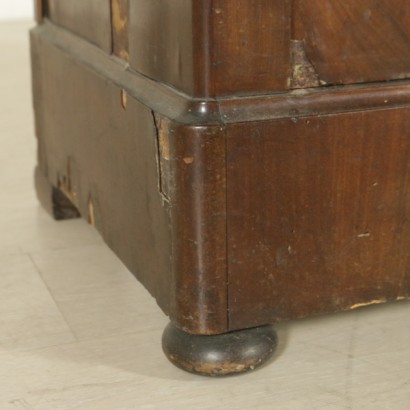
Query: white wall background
[[16, 9]]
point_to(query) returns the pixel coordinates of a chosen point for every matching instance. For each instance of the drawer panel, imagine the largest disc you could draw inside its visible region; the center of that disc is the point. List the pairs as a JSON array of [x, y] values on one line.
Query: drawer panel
[[355, 41], [222, 48], [324, 224], [212, 47]]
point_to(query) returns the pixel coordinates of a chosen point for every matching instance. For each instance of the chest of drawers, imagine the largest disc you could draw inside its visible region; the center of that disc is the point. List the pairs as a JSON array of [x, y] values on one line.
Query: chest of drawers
[[248, 160]]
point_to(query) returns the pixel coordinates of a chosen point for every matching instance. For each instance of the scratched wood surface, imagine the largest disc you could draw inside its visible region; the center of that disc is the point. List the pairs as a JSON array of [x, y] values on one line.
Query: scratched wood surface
[[325, 227], [139, 233], [119, 23]]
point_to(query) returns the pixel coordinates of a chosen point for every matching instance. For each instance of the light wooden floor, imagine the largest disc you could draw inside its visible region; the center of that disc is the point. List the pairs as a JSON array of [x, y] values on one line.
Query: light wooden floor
[[77, 331]]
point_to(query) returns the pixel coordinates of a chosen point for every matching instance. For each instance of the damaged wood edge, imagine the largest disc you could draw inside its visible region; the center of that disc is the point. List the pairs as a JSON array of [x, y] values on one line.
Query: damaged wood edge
[[369, 303], [377, 302], [65, 184], [123, 99], [303, 73], [119, 28], [91, 211], [53, 200], [163, 155], [63, 208]]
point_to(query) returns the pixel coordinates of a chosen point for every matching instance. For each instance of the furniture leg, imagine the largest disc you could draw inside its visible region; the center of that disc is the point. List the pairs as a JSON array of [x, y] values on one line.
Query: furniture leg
[[219, 355]]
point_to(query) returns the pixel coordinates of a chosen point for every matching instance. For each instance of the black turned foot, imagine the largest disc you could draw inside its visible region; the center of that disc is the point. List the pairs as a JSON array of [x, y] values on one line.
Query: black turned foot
[[219, 355], [53, 200]]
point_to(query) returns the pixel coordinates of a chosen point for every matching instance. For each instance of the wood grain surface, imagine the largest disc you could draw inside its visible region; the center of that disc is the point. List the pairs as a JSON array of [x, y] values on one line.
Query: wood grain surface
[[355, 41], [244, 210], [90, 19], [214, 48], [79, 332], [113, 162], [317, 214], [143, 181]]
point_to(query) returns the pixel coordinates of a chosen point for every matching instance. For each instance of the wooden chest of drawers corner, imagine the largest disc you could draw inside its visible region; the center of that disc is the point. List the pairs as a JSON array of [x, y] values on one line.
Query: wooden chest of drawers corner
[[248, 160]]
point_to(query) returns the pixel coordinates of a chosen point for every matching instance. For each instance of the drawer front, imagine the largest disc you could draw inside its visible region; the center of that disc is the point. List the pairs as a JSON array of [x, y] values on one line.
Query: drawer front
[[324, 224], [90, 19], [210, 48], [214, 48], [161, 41], [355, 41], [242, 47]]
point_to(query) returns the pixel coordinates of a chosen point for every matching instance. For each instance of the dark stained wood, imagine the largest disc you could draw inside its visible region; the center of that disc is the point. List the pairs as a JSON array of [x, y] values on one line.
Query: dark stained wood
[[355, 41], [198, 214], [219, 355], [90, 19], [262, 204], [160, 41], [161, 98], [239, 47], [112, 154], [167, 232], [317, 214], [250, 46], [210, 48], [119, 22], [216, 48], [316, 101], [183, 109]]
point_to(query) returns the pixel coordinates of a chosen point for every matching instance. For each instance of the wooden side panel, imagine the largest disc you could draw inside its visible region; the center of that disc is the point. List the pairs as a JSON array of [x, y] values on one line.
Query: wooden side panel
[[89, 19], [155, 189], [161, 41], [250, 47], [101, 150], [353, 41], [318, 214]]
